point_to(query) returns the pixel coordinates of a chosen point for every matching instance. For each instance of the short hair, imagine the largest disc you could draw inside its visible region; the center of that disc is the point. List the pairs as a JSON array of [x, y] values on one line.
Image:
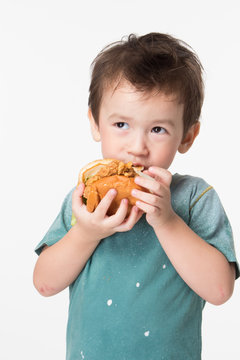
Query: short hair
[[154, 61]]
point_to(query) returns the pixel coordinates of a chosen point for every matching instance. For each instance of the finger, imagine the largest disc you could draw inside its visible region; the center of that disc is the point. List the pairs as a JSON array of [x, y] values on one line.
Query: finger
[[105, 203], [147, 172], [161, 174], [147, 197], [147, 208], [77, 196], [133, 218], [120, 215], [140, 214], [153, 185]]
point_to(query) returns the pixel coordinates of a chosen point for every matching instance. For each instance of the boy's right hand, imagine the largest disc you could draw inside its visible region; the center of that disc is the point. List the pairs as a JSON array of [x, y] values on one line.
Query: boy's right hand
[[98, 224]]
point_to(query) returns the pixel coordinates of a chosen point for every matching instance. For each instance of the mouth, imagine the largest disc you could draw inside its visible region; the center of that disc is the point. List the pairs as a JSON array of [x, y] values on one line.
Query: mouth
[[135, 164], [140, 165]]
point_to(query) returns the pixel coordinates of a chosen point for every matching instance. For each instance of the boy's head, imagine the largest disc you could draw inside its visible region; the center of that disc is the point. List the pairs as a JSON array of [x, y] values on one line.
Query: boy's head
[[151, 63]]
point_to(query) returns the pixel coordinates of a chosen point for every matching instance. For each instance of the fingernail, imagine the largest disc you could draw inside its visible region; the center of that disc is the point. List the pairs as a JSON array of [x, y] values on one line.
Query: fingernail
[[113, 192], [134, 192], [136, 209]]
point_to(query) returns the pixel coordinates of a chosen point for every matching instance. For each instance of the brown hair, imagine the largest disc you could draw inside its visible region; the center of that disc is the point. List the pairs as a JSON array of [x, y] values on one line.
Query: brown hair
[[153, 61]]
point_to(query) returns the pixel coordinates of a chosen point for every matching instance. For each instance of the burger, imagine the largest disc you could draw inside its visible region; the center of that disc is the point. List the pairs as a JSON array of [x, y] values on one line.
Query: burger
[[100, 176]]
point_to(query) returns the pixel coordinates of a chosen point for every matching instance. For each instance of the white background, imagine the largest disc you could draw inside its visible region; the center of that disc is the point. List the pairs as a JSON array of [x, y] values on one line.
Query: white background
[[46, 50]]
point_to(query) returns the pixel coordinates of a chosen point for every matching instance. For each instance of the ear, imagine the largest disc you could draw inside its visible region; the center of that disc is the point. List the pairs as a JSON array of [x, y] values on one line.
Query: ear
[[189, 138], [94, 126]]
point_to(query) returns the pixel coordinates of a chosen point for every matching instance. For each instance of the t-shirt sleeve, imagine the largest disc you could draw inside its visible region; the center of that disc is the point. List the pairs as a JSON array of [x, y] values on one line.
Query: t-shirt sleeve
[[208, 219], [60, 226]]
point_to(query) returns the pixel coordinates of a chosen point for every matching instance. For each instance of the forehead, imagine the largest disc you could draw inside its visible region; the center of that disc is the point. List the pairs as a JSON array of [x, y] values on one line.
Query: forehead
[[124, 89], [124, 97]]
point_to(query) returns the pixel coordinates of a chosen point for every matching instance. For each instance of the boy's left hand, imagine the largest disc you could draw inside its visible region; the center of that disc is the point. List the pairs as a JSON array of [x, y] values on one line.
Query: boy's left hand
[[157, 203]]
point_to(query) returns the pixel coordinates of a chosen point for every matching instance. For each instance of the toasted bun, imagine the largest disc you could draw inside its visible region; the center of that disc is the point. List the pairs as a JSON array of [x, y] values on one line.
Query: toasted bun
[[96, 190], [124, 186], [92, 168]]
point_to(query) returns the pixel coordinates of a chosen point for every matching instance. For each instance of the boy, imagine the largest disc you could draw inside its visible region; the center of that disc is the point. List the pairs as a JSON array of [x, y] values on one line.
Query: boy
[[138, 285]]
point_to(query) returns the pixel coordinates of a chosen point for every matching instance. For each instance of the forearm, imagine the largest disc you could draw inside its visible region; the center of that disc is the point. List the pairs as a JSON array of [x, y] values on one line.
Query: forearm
[[59, 265], [200, 265]]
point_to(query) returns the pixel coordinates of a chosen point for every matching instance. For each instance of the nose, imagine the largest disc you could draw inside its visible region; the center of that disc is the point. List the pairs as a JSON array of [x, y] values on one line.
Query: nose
[[138, 146]]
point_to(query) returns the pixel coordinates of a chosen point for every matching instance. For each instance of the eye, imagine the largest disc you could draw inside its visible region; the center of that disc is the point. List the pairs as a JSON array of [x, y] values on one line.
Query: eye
[[158, 130], [122, 125]]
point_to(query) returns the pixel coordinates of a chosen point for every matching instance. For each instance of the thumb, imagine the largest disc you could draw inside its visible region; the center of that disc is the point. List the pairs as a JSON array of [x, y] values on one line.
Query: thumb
[[77, 202], [77, 196]]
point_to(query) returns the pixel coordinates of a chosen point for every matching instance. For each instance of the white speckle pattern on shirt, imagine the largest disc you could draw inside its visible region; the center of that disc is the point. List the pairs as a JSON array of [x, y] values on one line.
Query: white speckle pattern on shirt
[[109, 302]]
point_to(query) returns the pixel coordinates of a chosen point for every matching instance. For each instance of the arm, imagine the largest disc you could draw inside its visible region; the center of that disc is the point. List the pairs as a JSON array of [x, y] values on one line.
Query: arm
[[204, 268], [59, 265]]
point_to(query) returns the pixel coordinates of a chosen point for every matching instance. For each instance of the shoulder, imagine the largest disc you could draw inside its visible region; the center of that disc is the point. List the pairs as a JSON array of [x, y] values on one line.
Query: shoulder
[[190, 186], [60, 226], [188, 182], [186, 191], [200, 207], [67, 203], [65, 214], [67, 206]]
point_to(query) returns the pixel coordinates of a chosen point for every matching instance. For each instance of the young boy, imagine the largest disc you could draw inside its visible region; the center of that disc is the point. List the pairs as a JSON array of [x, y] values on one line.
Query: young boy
[[138, 285]]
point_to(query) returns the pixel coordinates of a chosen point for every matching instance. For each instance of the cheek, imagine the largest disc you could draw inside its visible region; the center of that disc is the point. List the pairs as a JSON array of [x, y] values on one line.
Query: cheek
[[109, 147], [164, 155], [172, 150]]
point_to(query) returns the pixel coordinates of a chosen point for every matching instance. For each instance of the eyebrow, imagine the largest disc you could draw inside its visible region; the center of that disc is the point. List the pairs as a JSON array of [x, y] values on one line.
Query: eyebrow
[[127, 118], [120, 117]]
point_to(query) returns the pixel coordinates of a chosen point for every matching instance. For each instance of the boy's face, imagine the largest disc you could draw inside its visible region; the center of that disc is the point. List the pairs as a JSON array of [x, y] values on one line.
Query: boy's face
[[146, 129]]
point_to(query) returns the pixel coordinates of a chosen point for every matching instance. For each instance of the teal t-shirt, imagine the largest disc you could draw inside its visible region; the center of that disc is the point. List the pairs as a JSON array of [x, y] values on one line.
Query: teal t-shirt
[[128, 302]]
